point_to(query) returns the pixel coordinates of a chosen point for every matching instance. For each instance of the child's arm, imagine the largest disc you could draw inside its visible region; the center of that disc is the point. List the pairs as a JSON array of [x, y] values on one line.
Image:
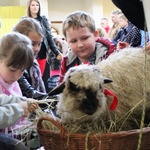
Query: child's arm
[[12, 108], [10, 114]]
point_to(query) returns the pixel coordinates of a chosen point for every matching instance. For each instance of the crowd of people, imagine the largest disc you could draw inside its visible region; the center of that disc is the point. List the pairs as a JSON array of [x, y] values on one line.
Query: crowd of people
[[123, 33], [33, 61]]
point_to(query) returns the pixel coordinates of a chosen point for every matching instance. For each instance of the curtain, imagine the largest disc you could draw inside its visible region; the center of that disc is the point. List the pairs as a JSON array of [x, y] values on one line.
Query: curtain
[[9, 16]]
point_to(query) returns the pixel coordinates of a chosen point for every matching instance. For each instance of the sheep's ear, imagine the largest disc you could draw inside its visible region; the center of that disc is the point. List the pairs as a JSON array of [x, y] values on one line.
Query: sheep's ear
[[106, 80], [57, 90]]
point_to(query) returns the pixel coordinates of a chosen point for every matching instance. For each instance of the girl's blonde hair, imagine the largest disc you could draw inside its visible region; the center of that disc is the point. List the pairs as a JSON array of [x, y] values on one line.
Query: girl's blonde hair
[[25, 25], [122, 16], [28, 8], [16, 49], [78, 19], [102, 33]]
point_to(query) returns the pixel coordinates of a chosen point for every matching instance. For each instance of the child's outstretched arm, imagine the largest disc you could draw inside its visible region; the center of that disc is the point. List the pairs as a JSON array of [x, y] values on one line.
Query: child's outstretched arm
[[12, 108]]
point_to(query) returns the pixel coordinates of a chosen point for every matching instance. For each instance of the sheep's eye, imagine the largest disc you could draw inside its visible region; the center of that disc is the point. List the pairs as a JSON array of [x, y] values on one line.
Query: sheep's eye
[[78, 101], [100, 87], [73, 87]]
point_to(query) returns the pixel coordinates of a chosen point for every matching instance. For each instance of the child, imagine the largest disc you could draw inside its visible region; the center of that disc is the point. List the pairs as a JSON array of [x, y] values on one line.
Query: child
[[31, 82], [129, 33], [123, 22], [82, 37], [15, 55], [13, 107]]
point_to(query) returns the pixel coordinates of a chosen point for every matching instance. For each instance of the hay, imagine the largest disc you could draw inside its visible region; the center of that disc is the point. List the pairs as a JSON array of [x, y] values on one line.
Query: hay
[[25, 134]]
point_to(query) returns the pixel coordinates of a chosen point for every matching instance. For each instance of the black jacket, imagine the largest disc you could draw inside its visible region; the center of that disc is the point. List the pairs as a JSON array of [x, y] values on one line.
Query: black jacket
[[28, 91], [48, 42]]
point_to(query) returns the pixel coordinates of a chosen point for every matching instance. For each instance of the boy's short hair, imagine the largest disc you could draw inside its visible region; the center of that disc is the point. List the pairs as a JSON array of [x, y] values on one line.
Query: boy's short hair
[[78, 19]]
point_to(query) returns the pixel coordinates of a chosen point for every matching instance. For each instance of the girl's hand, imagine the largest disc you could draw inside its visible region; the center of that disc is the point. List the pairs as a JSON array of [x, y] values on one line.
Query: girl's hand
[[32, 105]]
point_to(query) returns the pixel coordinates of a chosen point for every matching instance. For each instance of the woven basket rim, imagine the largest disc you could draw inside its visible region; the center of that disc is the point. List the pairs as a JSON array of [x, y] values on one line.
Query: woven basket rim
[[122, 140], [108, 134]]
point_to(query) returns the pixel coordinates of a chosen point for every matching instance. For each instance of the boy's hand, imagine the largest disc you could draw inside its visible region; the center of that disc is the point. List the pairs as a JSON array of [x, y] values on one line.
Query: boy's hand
[[122, 45]]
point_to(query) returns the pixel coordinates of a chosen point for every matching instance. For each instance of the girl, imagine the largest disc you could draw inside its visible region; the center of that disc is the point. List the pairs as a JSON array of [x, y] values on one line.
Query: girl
[[34, 11], [31, 82], [15, 55]]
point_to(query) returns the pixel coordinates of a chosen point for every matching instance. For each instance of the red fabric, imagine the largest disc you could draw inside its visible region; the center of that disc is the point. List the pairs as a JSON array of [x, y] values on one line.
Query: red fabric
[[42, 64], [115, 99], [107, 29], [111, 46], [63, 69], [54, 72]]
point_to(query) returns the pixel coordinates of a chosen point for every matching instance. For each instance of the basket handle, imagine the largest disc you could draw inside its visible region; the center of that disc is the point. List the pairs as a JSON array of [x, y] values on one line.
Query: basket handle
[[56, 122]]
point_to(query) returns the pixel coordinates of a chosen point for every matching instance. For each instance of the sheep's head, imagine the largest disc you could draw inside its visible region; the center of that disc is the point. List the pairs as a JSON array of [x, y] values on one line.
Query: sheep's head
[[82, 91]]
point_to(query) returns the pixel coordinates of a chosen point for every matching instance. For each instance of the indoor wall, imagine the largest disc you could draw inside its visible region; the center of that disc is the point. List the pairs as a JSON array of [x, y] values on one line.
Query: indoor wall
[[56, 11]]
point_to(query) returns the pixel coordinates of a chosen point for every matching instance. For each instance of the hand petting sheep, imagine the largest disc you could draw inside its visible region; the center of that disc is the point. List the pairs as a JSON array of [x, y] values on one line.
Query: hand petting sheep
[[88, 104]]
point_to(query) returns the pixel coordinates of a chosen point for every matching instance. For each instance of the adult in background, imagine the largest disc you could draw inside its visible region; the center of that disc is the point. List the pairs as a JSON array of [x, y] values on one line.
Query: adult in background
[[115, 27], [105, 24], [34, 11]]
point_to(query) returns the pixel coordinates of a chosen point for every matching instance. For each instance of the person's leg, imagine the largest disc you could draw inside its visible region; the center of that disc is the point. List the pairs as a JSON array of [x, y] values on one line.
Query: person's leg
[[46, 76], [9, 143]]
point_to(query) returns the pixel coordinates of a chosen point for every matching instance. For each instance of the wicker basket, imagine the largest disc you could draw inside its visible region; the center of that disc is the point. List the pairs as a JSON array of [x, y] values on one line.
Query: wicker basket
[[60, 140]]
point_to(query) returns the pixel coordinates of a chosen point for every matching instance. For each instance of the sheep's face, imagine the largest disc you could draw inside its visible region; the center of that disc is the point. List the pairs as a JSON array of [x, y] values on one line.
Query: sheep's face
[[84, 85], [83, 92]]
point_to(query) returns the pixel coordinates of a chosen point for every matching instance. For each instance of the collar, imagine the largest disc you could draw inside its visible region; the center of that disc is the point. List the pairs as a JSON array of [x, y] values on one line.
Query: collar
[[115, 99]]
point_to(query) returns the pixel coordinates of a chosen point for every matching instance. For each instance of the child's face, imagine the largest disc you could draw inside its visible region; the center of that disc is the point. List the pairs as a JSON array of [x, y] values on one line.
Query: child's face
[[36, 41], [123, 23], [9, 74], [82, 42]]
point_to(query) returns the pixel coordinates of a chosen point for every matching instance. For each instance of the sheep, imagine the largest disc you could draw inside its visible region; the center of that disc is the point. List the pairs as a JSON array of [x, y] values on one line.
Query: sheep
[[82, 100]]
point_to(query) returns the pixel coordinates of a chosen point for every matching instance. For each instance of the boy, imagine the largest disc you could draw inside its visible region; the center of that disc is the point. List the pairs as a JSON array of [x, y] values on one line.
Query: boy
[[85, 45]]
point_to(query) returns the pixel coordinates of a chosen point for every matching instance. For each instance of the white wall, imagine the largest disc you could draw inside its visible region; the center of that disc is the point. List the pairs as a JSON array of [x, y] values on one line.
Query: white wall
[[56, 10]]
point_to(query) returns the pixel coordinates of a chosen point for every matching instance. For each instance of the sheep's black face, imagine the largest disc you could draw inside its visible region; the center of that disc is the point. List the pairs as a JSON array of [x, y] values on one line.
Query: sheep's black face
[[90, 104]]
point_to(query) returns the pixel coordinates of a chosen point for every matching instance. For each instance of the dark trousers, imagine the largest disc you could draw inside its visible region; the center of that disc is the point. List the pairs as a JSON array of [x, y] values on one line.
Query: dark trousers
[[9, 143], [46, 76]]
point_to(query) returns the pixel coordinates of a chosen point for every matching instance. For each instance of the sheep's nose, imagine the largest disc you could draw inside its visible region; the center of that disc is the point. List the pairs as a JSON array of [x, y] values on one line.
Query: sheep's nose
[[89, 112], [89, 106]]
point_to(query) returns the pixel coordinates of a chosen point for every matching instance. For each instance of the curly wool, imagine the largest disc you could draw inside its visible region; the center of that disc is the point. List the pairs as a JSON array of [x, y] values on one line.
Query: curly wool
[[130, 71]]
